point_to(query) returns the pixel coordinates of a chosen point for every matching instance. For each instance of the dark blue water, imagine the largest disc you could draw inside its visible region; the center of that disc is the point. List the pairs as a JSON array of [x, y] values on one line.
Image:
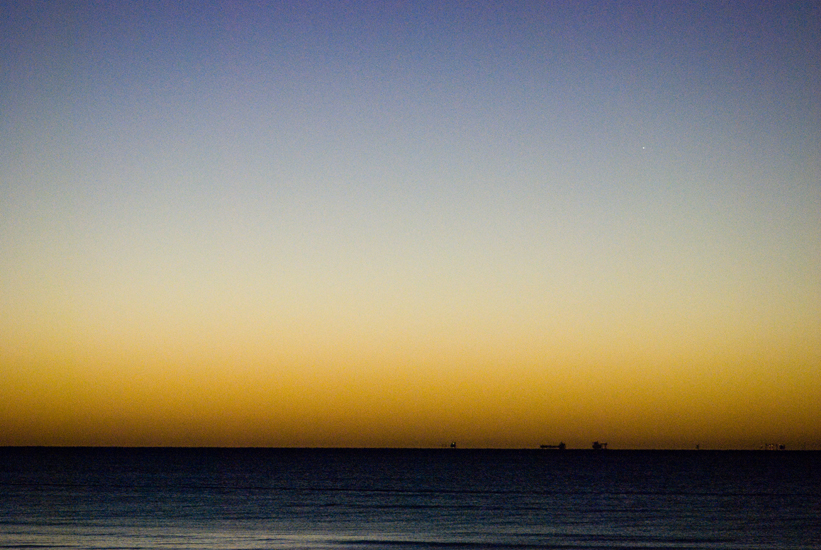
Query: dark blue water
[[408, 499]]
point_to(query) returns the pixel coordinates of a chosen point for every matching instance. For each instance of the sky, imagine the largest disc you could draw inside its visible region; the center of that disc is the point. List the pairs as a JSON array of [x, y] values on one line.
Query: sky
[[401, 224]]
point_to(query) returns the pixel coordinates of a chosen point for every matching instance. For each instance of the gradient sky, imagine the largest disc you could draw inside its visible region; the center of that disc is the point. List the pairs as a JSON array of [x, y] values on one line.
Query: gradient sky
[[406, 223]]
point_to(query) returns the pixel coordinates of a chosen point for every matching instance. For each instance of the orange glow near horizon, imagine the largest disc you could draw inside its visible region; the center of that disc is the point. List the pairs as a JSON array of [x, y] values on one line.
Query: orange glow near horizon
[[475, 392], [403, 224]]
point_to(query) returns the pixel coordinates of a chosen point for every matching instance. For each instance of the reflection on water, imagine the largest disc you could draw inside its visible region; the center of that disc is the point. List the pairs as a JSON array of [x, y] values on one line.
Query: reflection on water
[[256, 498]]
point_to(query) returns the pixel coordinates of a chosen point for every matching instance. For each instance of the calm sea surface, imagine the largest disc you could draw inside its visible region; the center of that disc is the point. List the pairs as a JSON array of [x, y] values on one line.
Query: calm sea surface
[[408, 499]]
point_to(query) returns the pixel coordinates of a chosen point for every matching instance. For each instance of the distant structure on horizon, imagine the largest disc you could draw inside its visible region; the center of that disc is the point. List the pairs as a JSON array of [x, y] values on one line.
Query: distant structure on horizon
[[599, 446], [773, 447], [561, 446]]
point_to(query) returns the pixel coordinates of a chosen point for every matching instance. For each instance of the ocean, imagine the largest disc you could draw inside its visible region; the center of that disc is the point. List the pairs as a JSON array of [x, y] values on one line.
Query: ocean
[[140, 498]]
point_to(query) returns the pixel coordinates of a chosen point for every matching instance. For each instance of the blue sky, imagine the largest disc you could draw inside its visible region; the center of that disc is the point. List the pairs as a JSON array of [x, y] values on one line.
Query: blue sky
[[613, 203]]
